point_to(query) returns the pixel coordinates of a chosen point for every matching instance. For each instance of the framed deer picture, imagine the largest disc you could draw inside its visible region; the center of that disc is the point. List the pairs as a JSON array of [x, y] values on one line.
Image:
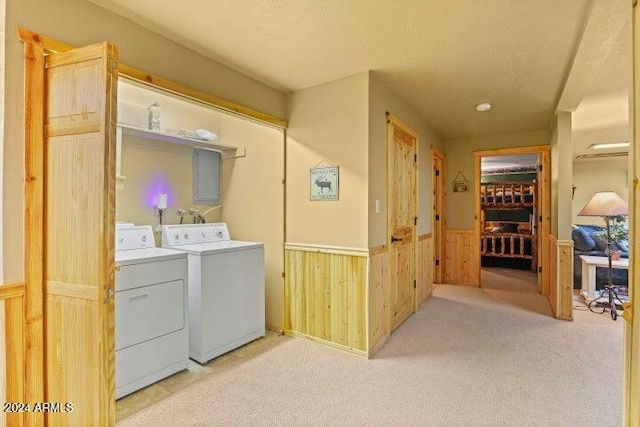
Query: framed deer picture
[[324, 183]]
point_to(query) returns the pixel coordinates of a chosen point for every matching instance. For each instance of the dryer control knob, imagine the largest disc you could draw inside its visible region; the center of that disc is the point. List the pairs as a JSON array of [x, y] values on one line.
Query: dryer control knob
[[186, 236], [143, 238]]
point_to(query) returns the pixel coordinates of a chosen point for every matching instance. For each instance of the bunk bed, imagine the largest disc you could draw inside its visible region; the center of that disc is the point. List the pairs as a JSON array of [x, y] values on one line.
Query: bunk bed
[[507, 221]]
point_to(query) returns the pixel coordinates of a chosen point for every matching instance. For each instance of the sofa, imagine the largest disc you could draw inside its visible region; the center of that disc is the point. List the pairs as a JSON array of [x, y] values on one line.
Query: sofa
[[587, 240]]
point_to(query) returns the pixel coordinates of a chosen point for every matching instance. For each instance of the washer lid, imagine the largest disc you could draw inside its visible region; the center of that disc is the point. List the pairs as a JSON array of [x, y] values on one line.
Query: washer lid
[[218, 247], [138, 256]]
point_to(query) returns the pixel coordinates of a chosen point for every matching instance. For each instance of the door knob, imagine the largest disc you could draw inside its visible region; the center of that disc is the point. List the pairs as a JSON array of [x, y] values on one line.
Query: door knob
[[395, 239], [116, 267]]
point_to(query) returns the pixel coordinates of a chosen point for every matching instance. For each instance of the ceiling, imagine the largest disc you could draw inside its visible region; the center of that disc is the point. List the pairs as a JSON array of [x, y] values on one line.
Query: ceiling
[[441, 56]]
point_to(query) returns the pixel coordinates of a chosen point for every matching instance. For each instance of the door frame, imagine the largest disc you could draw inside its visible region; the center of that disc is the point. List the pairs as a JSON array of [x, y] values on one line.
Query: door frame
[[544, 215], [393, 122], [438, 227]]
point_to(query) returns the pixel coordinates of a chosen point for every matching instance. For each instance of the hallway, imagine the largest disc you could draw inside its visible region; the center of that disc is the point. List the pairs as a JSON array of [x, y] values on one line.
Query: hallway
[[469, 357]]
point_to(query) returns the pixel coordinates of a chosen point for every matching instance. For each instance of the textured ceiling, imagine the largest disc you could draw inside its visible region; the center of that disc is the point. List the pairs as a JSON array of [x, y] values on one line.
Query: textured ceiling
[[441, 56]]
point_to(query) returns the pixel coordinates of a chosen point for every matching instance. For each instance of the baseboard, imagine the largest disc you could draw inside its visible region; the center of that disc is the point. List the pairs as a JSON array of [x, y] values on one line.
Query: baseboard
[[357, 352], [378, 346]]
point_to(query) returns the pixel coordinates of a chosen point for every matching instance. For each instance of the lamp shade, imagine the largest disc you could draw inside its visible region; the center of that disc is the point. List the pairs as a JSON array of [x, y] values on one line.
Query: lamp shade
[[605, 203]]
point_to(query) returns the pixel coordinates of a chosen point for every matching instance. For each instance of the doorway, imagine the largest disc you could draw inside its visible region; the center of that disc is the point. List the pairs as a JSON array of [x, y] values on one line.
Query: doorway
[[512, 218]]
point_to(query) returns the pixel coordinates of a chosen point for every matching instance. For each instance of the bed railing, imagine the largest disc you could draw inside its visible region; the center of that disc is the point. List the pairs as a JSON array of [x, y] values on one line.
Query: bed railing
[[507, 245]]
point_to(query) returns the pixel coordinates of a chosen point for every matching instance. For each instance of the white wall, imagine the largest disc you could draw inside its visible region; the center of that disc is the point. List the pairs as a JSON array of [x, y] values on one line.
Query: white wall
[[79, 22], [382, 100], [460, 206], [591, 176], [329, 123]]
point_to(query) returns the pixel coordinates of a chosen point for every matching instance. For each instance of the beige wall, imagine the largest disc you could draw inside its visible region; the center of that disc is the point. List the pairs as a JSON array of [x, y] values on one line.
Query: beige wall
[[253, 201], [598, 175], [153, 167], [382, 100], [460, 206], [561, 176], [79, 22], [329, 122]]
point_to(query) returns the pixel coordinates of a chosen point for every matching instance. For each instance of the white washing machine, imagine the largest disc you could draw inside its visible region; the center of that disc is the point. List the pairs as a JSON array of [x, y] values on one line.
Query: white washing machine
[[226, 288], [152, 331]]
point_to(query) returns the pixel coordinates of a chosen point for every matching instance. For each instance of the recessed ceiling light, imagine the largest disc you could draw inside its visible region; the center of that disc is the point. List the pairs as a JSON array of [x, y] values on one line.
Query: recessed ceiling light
[[483, 106], [609, 145]]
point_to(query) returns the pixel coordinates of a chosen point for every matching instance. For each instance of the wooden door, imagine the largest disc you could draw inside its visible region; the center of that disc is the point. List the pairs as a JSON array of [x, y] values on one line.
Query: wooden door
[[544, 221], [437, 180], [79, 218], [402, 160]]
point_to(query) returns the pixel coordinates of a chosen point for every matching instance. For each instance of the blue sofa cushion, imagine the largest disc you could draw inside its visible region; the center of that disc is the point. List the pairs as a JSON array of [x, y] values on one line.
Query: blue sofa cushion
[[582, 240]]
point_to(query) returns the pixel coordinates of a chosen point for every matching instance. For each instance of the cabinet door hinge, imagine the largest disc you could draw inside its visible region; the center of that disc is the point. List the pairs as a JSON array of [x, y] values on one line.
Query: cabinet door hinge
[[539, 269], [540, 218], [414, 284], [415, 158], [437, 262], [437, 217], [540, 167], [415, 220], [437, 172]]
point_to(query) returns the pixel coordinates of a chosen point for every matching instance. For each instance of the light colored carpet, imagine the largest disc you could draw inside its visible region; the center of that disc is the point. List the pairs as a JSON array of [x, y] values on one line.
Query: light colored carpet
[[469, 357]]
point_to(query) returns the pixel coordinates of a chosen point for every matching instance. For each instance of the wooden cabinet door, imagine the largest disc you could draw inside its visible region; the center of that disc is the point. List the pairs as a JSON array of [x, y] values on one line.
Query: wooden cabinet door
[[79, 218], [401, 217]]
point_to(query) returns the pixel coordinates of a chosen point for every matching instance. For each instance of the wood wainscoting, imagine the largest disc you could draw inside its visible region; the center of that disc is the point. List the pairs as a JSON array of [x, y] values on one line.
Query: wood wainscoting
[[561, 278], [378, 319], [12, 315], [461, 258], [325, 295], [340, 297]]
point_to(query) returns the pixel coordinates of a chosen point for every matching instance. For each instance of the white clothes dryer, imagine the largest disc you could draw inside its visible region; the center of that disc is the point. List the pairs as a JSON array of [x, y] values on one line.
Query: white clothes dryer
[[226, 288], [151, 328]]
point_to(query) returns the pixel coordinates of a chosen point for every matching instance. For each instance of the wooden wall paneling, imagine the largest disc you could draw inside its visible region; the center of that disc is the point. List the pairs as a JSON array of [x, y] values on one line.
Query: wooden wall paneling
[[34, 228], [553, 274], [378, 314], [561, 278], [565, 279], [462, 258], [325, 297], [424, 270], [12, 297]]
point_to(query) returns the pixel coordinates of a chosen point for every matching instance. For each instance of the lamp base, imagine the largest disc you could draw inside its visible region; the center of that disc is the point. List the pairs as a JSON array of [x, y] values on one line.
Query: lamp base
[[601, 305]]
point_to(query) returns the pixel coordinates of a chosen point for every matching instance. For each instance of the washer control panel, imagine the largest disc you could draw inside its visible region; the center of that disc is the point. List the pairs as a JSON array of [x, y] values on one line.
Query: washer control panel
[[134, 237], [194, 233]]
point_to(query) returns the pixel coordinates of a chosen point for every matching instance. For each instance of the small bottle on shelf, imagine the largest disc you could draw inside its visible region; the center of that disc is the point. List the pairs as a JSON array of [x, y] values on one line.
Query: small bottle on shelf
[[154, 117]]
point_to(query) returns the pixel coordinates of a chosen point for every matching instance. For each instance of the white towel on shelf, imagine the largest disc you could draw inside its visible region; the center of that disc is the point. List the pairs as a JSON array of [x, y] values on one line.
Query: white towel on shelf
[[206, 135]]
